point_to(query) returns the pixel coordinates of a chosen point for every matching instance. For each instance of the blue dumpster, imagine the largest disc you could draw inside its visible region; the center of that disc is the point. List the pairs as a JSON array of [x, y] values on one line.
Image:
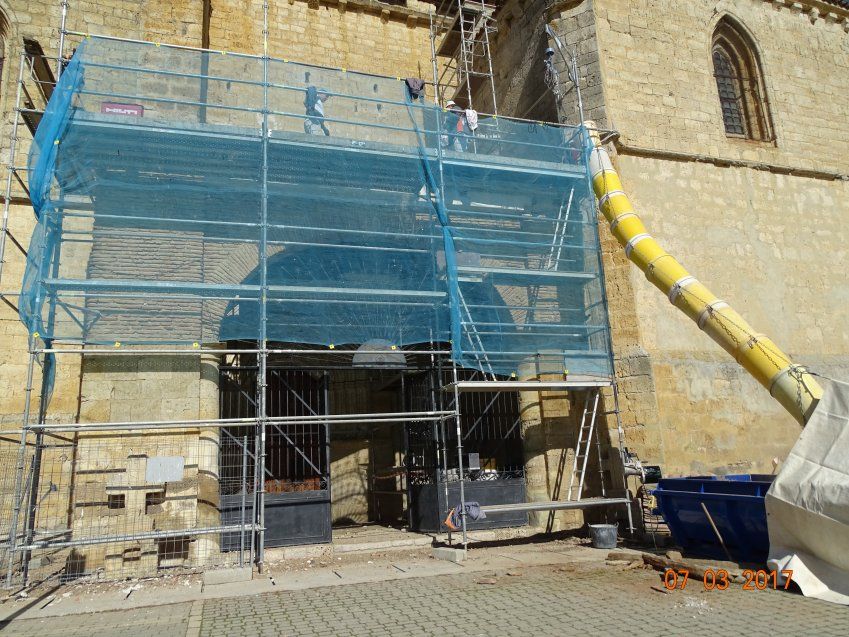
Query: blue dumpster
[[734, 502]]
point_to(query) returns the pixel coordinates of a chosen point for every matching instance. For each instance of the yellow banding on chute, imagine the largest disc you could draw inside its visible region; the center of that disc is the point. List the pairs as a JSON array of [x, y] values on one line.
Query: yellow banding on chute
[[787, 382]]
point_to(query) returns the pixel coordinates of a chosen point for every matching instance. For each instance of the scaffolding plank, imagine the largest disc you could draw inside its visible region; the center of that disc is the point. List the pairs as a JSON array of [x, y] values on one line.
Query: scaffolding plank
[[211, 288], [552, 506], [516, 273], [526, 385], [511, 164]]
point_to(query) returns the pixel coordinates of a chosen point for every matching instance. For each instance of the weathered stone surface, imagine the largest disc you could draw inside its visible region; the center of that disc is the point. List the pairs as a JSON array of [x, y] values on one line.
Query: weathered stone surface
[[761, 240], [448, 554], [227, 576]]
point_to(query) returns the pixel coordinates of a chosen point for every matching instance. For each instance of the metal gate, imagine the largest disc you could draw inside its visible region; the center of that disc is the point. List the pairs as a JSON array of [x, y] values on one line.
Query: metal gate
[[296, 475], [493, 462]]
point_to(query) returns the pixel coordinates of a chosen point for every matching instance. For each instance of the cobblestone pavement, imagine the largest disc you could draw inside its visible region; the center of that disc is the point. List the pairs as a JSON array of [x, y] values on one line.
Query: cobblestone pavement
[[583, 600], [540, 601], [170, 620]]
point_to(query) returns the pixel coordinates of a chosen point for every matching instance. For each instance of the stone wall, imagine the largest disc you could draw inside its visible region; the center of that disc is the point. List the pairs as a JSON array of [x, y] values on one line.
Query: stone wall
[[574, 24], [766, 241], [518, 49], [356, 35], [772, 247], [359, 35], [645, 69], [661, 93], [115, 492]]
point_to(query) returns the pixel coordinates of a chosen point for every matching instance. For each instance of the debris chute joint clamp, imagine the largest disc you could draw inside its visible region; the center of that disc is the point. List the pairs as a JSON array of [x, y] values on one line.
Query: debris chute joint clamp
[[615, 222], [634, 241], [754, 339], [782, 372], [709, 311], [608, 196], [678, 287]]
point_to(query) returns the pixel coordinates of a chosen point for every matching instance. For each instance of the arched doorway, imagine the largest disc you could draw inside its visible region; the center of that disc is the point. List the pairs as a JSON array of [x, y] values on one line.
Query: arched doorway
[[374, 464]]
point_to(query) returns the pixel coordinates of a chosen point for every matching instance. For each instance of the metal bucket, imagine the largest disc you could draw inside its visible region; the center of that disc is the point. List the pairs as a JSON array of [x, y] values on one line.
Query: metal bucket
[[603, 536]]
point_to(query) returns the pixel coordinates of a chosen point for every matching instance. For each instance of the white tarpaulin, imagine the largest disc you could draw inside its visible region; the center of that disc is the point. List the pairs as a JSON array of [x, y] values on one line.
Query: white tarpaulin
[[808, 504]]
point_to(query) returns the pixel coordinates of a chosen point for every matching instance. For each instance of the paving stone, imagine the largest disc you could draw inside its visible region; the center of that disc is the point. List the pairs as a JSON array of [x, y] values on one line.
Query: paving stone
[[595, 600]]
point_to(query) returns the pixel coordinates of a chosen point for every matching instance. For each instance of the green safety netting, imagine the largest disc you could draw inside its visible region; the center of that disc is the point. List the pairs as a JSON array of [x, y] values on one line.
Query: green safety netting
[[196, 197]]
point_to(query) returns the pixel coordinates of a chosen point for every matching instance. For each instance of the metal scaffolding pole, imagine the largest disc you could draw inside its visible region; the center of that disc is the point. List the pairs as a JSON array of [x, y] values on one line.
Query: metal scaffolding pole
[[462, 511], [201, 351], [13, 139], [62, 34], [465, 52], [621, 440], [437, 97], [467, 23], [47, 370], [262, 408], [19, 471], [489, 63]]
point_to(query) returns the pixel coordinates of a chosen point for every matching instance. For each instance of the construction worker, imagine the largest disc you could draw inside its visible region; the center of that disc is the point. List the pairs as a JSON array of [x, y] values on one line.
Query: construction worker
[[456, 127], [314, 105]]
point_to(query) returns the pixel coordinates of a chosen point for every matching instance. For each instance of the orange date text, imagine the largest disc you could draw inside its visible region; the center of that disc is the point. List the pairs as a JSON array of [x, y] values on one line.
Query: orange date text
[[719, 579]]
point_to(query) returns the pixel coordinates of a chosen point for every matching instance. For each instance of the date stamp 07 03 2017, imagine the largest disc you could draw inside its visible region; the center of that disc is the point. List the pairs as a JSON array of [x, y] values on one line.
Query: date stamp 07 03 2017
[[719, 579]]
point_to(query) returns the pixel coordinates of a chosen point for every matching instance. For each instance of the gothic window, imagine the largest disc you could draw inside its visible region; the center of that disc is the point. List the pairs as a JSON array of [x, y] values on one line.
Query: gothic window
[[739, 83]]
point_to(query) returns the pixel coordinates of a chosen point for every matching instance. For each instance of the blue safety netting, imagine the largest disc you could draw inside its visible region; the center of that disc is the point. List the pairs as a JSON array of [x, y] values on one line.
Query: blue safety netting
[[166, 215]]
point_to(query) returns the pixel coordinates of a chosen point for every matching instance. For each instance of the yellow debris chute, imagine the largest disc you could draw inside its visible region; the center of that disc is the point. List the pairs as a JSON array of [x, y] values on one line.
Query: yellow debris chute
[[787, 382]]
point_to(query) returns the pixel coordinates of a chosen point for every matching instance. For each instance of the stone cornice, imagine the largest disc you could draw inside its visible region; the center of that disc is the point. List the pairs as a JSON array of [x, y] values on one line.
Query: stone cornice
[[624, 148], [815, 10], [394, 12]]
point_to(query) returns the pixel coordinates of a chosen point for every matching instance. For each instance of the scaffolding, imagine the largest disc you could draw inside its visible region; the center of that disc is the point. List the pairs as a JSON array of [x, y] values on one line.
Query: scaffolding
[[460, 32], [196, 205]]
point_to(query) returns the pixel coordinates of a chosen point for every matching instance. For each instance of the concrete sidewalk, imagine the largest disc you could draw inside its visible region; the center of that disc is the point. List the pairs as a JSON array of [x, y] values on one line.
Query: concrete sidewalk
[[554, 588]]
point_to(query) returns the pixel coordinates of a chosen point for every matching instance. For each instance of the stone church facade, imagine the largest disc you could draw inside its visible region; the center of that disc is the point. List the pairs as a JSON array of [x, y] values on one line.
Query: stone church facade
[[733, 129]]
